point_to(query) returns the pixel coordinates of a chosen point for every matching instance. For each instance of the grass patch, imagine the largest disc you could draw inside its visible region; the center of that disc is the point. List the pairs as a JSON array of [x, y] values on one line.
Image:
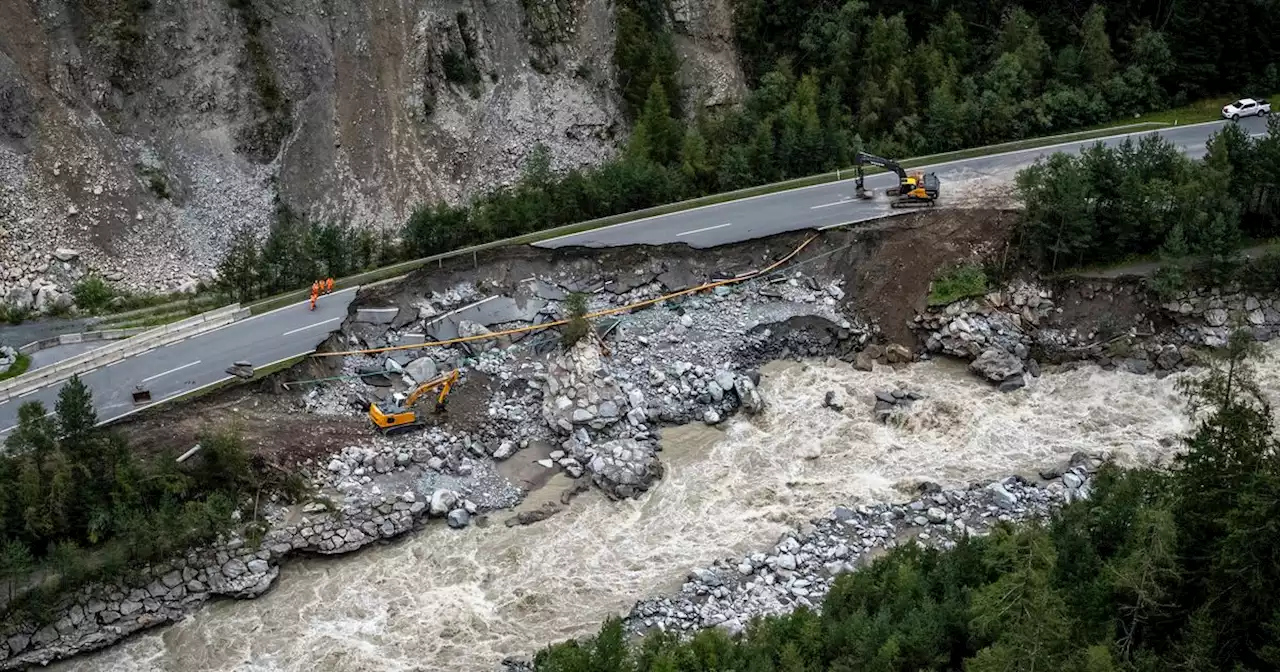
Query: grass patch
[[958, 283], [19, 367]]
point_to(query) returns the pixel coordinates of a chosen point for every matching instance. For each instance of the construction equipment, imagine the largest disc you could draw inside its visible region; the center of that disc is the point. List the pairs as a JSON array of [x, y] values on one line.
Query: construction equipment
[[914, 189], [401, 417]]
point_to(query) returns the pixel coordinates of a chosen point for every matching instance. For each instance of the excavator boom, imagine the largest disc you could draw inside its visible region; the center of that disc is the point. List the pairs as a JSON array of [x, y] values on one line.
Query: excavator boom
[[863, 158], [396, 419]]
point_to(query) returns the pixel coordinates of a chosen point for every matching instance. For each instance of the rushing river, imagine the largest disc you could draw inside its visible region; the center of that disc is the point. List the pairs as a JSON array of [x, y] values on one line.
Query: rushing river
[[449, 600]]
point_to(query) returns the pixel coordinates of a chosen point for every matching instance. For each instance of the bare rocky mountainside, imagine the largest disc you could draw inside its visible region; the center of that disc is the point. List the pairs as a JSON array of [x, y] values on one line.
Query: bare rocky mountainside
[[137, 135]]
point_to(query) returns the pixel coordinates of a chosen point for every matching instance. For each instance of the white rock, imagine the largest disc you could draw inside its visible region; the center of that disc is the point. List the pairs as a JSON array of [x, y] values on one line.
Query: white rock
[[442, 501]]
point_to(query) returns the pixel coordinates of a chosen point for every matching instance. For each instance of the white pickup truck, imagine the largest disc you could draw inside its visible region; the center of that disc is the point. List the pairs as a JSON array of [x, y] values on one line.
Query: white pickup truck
[[1246, 107]]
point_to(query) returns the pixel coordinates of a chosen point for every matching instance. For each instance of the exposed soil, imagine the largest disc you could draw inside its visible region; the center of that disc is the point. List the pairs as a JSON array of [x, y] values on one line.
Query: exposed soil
[[271, 420], [271, 426], [888, 281]]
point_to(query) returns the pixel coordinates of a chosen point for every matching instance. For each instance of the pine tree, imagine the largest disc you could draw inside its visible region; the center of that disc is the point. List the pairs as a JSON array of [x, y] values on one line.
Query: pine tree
[[1095, 45], [238, 272], [657, 136], [15, 563], [77, 419]]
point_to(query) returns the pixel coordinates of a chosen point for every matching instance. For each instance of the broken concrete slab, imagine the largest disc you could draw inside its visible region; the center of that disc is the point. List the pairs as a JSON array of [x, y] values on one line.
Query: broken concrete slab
[[583, 285], [371, 335], [547, 291], [412, 338], [629, 281], [405, 317], [376, 315], [675, 279], [488, 312]]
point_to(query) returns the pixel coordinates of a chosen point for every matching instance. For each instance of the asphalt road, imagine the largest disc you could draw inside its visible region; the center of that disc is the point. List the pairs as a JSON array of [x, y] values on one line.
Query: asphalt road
[[832, 204], [200, 360]]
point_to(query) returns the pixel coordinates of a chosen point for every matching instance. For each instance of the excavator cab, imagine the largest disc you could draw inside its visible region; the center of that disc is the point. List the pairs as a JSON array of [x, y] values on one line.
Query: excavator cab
[[399, 415]]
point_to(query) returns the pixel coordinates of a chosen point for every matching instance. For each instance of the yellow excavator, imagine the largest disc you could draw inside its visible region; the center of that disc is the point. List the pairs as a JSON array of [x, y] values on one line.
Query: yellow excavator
[[401, 417], [912, 190]]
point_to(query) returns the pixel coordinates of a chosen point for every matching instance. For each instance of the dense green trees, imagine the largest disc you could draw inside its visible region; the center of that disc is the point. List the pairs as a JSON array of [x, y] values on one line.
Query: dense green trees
[[830, 77], [76, 504], [1160, 570], [1106, 205], [295, 253]]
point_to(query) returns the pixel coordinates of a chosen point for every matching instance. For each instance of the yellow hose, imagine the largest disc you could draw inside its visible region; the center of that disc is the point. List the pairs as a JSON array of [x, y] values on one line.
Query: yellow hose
[[602, 313]]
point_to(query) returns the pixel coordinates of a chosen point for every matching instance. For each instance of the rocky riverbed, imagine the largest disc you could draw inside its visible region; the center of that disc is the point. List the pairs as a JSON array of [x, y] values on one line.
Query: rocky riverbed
[[800, 568]]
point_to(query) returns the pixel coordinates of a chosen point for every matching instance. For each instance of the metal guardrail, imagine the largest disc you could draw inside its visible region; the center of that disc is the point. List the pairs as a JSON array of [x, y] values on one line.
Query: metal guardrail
[[82, 337], [147, 340]]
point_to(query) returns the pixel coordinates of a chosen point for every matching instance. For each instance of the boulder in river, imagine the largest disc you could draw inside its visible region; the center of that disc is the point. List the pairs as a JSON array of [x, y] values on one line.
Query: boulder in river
[[748, 395], [997, 365], [624, 468]]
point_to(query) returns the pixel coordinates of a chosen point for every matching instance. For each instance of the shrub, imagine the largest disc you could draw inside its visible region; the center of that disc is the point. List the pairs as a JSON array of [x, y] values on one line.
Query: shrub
[[578, 326], [960, 282], [92, 294]]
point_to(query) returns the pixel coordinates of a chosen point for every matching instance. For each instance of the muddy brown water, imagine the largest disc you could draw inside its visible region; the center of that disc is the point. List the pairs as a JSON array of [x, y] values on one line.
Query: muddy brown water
[[447, 600]]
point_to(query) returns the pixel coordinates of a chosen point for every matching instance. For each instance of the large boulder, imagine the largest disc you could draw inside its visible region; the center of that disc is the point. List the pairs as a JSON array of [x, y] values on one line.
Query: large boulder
[[47, 299], [624, 468], [467, 329], [748, 395], [422, 369], [997, 365], [65, 254], [442, 502], [20, 298]]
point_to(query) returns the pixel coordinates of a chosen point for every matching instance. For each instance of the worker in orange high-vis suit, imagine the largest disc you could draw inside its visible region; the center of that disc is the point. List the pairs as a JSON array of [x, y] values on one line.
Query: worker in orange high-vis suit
[[315, 293], [328, 286]]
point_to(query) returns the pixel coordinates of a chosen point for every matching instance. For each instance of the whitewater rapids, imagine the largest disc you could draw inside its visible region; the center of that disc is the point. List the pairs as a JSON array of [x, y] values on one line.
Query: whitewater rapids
[[462, 600]]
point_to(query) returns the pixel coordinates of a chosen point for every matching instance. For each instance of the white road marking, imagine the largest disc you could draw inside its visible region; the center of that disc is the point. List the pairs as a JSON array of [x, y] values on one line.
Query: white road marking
[[174, 370], [786, 193], [6, 430], [705, 228], [29, 393], [827, 205], [113, 363], [310, 326]]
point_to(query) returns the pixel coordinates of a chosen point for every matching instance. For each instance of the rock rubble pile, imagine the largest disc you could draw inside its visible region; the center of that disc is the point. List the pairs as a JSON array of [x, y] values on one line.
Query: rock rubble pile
[[1008, 333], [801, 567]]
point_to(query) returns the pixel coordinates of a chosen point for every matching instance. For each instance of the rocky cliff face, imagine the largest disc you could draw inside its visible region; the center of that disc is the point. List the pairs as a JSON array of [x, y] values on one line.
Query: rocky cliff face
[[141, 133]]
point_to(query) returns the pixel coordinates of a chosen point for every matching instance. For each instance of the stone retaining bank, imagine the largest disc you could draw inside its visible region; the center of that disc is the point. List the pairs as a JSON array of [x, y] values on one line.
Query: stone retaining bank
[[1009, 333], [100, 615]]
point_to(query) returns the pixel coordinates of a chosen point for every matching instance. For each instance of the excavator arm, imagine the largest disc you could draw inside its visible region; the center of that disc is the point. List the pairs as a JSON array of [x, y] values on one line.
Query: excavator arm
[[863, 158], [444, 382]]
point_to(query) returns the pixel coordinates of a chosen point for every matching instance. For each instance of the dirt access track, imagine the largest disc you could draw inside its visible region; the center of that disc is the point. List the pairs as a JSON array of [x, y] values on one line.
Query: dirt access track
[[886, 266]]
